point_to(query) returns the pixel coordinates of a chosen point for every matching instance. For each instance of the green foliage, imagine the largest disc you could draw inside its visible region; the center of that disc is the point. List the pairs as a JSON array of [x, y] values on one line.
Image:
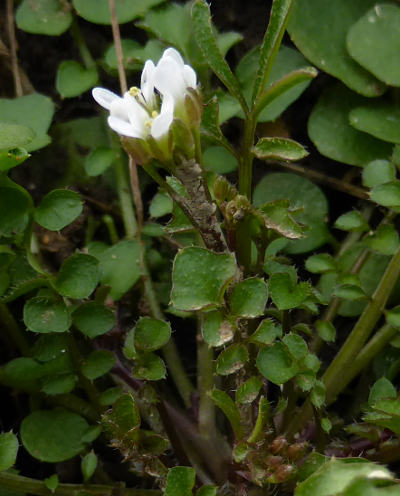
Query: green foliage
[[230, 410], [78, 276], [279, 149], [151, 334], [49, 17], [93, 319], [248, 298], [8, 450], [58, 208], [88, 465], [180, 481], [73, 79], [231, 359], [276, 363], [98, 363], [46, 314], [14, 135]]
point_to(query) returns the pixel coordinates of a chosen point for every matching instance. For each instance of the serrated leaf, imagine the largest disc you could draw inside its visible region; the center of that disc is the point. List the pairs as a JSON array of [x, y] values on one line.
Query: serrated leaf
[[266, 332], [285, 294], [232, 359], [180, 481], [149, 366]]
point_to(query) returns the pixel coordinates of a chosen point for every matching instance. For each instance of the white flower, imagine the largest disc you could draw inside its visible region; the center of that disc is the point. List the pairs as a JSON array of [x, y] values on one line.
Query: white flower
[[172, 76], [130, 117]]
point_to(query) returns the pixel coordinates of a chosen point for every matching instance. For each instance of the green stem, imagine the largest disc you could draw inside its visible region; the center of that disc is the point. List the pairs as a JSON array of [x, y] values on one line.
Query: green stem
[[125, 199], [80, 42], [18, 483], [13, 330], [112, 231], [205, 383]]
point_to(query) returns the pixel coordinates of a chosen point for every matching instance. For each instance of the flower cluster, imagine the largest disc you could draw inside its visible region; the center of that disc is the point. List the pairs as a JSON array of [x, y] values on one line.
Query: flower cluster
[[149, 111]]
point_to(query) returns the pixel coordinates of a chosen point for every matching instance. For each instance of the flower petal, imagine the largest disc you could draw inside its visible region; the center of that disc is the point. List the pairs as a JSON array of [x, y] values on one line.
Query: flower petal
[[168, 78], [189, 76], [161, 125], [147, 83], [174, 54], [137, 114], [104, 97], [122, 127], [119, 109]]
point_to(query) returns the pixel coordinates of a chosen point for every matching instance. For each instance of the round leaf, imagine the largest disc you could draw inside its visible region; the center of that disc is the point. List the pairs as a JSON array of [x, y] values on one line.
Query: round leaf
[[50, 17], [98, 11], [232, 359], [93, 319], [8, 450], [151, 334], [14, 135], [78, 276], [99, 160], [58, 208], [200, 277], [326, 330], [285, 294], [73, 79], [53, 435], [329, 129], [374, 42], [387, 194], [219, 160], [12, 158], [352, 221], [276, 363], [378, 118], [15, 204], [42, 314], [216, 331], [385, 240], [149, 366], [378, 172], [248, 391], [266, 332], [320, 263], [98, 363], [248, 298], [326, 48], [59, 384]]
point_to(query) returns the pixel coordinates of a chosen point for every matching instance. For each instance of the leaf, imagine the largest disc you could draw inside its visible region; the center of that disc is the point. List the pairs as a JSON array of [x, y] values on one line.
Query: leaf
[[296, 345], [326, 330], [382, 389], [379, 118], [34, 111], [273, 36], [99, 160], [120, 266], [49, 17], [149, 366], [151, 334], [180, 481], [8, 450], [14, 135], [98, 363], [93, 319], [78, 276], [216, 330], [378, 172], [205, 38], [393, 316], [248, 298], [279, 149], [266, 332], [225, 403], [308, 23], [248, 391], [52, 482], [58, 208], [199, 278], [124, 416], [329, 129], [385, 240], [98, 11], [387, 194], [43, 314], [210, 124], [373, 41], [12, 158], [232, 359], [59, 384], [320, 263], [285, 294], [352, 221], [219, 160], [73, 78], [134, 54], [15, 205], [277, 215], [303, 196], [276, 364], [53, 436]]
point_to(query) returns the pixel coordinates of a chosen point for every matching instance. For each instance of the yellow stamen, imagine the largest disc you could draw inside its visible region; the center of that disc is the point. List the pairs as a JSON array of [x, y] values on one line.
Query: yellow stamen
[[154, 114], [134, 91], [148, 123]]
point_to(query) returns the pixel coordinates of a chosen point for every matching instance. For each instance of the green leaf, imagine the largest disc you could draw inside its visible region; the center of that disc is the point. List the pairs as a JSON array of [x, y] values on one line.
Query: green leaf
[[272, 40], [34, 111], [387, 194], [44, 314], [52, 482], [149, 366], [248, 298], [225, 403], [334, 476], [180, 481], [279, 149], [329, 129], [59, 384], [296, 345], [248, 391], [320, 263], [382, 389], [219, 160], [12, 158], [160, 205], [352, 221], [110, 396], [205, 38], [78, 276], [326, 330], [49, 346], [373, 41], [378, 118], [93, 319], [210, 124], [98, 363], [277, 215], [200, 277], [73, 78], [303, 195], [232, 359], [385, 240], [378, 172], [151, 334], [124, 416], [14, 135], [285, 294], [15, 204], [99, 160], [318, 394], [134, 54], [216, 330], [276, 363], [120, 266], [8, 450], [98, 11], [207, 491], [53, 436], [393, 316], [308, 23], [266, 332], [88, 465], [49, 17], [58, 208]]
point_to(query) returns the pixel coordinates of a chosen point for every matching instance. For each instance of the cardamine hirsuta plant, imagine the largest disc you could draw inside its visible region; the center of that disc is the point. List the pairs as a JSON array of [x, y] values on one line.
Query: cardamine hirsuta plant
[[180, 315]]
